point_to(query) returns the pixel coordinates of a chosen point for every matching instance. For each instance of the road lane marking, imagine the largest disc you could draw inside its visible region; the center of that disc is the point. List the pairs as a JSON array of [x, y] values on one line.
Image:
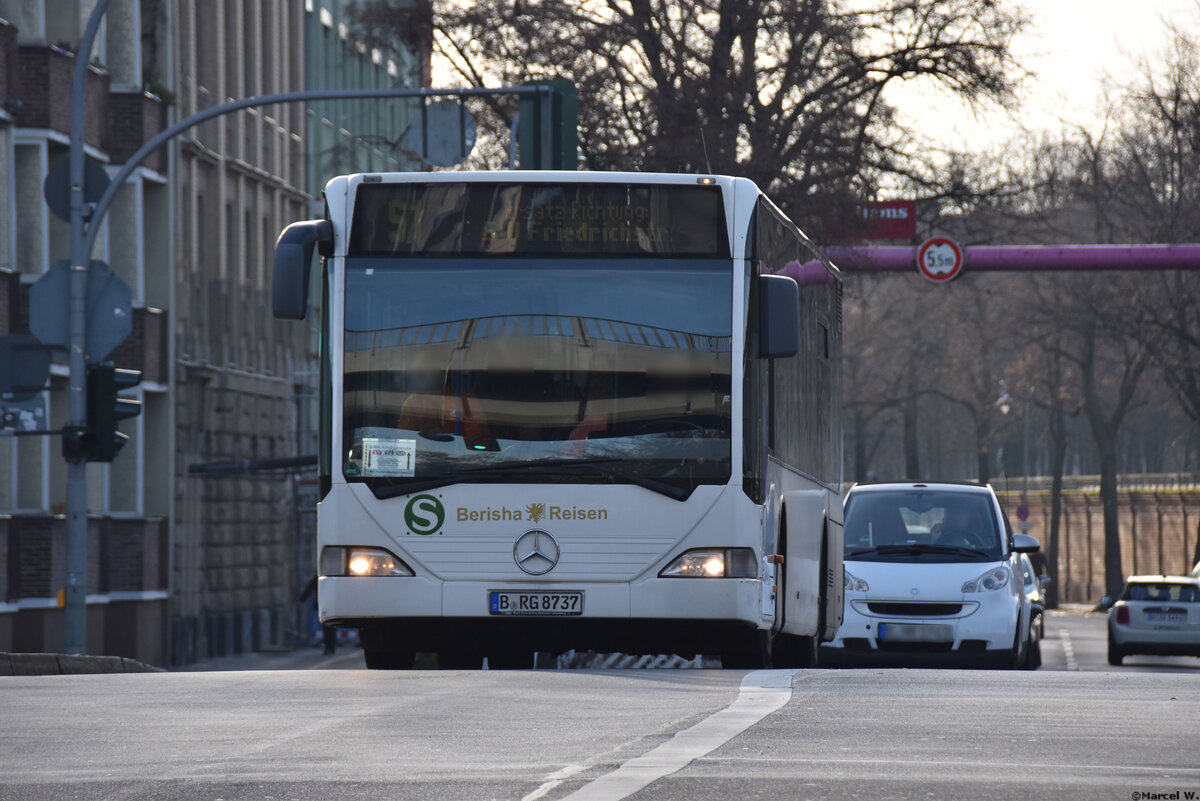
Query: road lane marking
[[553, 780], [1069, 650], [762, 692]]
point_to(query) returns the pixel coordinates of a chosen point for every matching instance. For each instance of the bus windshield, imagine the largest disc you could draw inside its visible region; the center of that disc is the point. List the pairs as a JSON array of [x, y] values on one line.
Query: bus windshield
[[537, 370]]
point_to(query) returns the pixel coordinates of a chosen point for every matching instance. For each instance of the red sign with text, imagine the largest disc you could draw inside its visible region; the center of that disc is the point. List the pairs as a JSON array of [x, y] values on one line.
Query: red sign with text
[[888, 219]]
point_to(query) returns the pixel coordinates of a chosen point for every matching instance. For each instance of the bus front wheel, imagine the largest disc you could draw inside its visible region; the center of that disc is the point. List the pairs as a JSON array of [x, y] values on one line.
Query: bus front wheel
[[790, 651], [388, 660], [749, 652], [380, 651]]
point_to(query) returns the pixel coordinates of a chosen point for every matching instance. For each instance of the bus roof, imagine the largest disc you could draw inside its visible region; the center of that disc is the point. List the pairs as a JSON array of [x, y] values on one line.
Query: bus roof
[[542, 176]]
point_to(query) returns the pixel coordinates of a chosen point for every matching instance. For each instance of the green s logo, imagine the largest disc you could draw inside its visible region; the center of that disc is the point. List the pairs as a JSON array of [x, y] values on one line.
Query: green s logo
[[424, 515]]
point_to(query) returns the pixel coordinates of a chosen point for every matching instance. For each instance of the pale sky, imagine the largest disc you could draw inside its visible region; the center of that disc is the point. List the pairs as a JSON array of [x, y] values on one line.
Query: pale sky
[[1071, 45]]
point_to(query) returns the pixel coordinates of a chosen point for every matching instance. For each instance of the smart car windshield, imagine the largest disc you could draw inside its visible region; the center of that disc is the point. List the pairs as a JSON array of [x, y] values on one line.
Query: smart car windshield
[[922, 526]]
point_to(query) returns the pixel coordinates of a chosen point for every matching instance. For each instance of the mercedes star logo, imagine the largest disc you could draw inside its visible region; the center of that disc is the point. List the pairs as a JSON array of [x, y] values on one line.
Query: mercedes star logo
[[536, 552]]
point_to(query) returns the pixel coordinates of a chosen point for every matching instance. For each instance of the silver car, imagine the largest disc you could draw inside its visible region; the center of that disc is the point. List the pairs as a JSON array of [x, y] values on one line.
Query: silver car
[[1035, 591], [1155, 615]]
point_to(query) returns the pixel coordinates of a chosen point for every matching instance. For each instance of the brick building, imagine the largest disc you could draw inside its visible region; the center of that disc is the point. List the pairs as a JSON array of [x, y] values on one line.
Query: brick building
[[128, 504], [193, 550]]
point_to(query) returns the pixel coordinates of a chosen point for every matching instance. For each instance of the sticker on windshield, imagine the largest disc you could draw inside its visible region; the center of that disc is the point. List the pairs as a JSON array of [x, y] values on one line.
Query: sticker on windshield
[[388, 457]]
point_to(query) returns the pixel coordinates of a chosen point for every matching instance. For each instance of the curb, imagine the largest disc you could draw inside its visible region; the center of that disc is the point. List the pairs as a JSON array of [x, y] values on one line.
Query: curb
[[69, 665]]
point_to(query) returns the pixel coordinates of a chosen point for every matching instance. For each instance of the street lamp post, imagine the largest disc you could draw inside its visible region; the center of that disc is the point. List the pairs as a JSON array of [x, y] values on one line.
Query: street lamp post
[[1024, 524], [1004, 404]]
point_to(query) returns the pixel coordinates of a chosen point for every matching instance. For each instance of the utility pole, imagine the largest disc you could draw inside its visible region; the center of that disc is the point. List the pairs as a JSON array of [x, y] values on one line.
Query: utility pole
[[85, 220], [75, 592]]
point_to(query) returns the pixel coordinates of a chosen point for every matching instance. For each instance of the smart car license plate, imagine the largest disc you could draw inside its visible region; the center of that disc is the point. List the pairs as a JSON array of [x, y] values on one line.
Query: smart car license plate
[[915, 632], [535, 602]]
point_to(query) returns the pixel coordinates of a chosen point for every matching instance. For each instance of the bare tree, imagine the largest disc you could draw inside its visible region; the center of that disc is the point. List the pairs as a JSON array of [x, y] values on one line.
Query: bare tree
[[893, 366], [1109, 364], [1053, 386], [1153, 177], [978, 349], [790, 94]]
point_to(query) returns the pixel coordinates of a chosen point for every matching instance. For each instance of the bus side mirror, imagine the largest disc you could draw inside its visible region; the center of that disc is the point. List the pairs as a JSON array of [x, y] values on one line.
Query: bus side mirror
[[779, 317], [293, 257]]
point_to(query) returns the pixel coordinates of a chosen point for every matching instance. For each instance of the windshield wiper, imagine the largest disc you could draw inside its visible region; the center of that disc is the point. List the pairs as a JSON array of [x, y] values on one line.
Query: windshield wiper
[[608, 467], [953, 549], [611, 467], [916, 548]]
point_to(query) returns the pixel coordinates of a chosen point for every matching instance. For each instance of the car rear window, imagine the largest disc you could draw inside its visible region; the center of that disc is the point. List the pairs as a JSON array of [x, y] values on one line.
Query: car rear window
[[1166, 592]]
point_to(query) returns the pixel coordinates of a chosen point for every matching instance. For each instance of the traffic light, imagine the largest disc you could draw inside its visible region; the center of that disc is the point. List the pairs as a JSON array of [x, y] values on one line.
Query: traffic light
[[106, 408], [562, 133]]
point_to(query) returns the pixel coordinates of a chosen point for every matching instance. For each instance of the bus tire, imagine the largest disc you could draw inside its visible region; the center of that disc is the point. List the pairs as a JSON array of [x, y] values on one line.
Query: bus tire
[[749, 652], [388, 660], [791, 651], [510, 659], [459, 659], [380, 651]]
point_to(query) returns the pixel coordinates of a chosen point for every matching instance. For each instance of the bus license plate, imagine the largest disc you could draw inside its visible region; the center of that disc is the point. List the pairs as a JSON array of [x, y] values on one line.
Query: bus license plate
[[535, 602], [915, 632]]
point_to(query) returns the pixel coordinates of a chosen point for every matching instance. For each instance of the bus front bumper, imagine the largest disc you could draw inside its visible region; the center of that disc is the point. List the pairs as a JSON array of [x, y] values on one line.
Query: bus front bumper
[[682, 616]]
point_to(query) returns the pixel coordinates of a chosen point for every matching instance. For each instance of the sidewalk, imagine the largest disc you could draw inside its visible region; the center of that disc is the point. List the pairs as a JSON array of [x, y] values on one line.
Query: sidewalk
[[347, 657], [22, 664], [1076, 609]]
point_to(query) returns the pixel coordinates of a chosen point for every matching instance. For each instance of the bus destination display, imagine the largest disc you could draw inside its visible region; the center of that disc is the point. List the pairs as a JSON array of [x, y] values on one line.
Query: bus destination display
[[499, 219]]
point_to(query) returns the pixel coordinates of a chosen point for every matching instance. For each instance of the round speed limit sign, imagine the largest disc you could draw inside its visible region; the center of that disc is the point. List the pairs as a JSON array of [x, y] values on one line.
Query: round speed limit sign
[[940, 259]]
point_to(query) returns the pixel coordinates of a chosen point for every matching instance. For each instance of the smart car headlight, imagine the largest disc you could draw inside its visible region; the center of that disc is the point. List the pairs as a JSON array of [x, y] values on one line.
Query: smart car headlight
[[855, 584], [994, 579]]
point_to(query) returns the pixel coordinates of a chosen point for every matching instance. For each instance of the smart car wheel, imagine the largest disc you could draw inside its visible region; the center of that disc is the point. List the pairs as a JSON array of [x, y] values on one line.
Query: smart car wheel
[[1033, 652], [1015, 659]]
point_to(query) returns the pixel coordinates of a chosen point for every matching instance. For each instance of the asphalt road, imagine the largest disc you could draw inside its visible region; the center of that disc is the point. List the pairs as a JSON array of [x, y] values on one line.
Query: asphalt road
[[1078, 641], [1074, 730], [1075, 640]]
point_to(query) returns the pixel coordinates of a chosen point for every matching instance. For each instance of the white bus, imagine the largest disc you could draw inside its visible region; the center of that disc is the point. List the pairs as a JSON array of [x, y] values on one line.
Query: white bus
[[590, 411]]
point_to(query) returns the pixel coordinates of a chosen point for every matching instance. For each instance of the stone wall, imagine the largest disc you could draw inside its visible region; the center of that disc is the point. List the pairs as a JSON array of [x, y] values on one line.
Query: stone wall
[[235, 530], [1158, 534]]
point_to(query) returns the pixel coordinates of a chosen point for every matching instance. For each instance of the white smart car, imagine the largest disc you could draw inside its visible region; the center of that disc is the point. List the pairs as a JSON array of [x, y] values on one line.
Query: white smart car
[[933, 576]]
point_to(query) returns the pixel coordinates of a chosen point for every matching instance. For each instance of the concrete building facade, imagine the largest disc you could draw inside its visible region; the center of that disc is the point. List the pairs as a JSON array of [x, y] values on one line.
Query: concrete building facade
[[200, 534]]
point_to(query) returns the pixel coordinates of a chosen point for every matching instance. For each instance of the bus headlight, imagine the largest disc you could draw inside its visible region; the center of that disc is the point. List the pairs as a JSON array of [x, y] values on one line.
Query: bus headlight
[[712, 563], [356, 561]]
